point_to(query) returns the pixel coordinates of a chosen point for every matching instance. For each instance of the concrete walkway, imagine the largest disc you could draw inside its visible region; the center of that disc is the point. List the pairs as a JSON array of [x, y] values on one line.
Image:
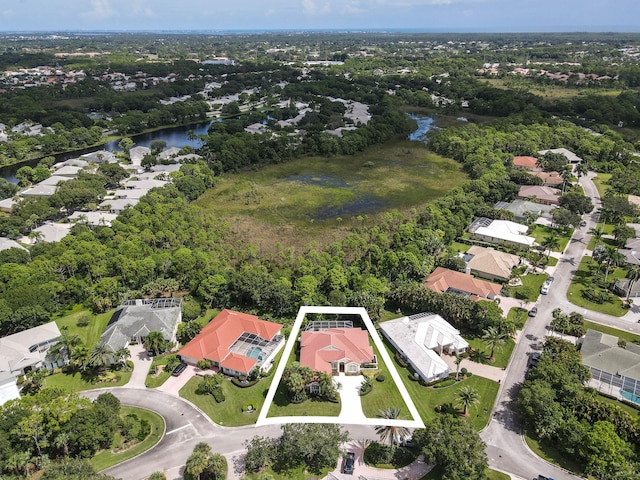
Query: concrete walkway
[[487, 371], [351, 404], [141, 364]]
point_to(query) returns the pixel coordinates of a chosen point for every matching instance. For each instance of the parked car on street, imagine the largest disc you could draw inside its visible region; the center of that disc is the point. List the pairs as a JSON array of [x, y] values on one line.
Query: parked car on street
[[533, 312]]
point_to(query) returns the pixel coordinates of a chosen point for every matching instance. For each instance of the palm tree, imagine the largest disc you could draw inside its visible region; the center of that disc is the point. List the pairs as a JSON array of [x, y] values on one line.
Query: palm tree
[[633, 275], [458, 361], [101, 356], [582, 169], [64, 347], [467, 397], [550, 243], [196, 464], [155, 342], [613, 259], [122, 355], [597, 234], [494, 338], [391, 434]]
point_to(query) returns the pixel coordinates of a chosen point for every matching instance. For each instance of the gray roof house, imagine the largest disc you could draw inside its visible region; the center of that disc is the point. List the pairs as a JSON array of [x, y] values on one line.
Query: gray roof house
[[27, 350], [519, 207], [134, 319], [611, 364]]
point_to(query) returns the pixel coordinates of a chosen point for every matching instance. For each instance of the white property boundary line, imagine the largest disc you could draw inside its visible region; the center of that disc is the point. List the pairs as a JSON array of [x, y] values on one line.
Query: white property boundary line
[[293, 336]]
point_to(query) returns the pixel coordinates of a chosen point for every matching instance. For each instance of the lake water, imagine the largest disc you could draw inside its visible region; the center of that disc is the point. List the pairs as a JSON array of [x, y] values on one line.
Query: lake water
[[425, 125], [173, 136]]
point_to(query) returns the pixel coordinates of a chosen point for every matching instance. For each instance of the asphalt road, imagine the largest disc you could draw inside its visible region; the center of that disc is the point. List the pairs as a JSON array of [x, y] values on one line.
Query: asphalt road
[[185, 427], [505, 446]]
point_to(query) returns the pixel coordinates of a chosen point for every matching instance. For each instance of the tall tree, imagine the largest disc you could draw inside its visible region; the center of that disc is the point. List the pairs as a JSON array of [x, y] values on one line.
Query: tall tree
[[494, 338], [100, 356], [452, 443], [155, 342], [467, 397]]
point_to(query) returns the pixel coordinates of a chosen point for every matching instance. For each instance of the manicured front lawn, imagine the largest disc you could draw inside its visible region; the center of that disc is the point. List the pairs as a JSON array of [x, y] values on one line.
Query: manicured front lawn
[[312, 407], [531, 285], [603, 241], [229, 413], [294, 474], [76, 382], [459, 247], [107, 458], [88, 334], [501, 354], [582, 280], [542, 232], [154, 381], [426, 399], [518, 316], [384, 394]]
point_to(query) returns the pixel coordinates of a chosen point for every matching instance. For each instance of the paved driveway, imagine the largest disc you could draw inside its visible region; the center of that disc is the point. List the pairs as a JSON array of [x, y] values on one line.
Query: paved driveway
[[173, 385], [351, 404], [141, 364]]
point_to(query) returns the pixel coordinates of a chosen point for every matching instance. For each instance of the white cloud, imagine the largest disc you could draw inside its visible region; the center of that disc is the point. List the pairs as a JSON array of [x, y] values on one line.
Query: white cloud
[[8, 13], [141, 8], [311, 7], [101, 9]]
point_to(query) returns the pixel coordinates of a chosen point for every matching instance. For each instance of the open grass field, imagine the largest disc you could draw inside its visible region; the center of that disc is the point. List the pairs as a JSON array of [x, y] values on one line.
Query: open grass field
[[318, 199], [583, 279], [384, 394], [548, 92], [90, 333], [108, 458]]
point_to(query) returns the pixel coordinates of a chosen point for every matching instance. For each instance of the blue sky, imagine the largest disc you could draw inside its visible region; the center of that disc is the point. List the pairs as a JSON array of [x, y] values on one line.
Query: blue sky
[[430, 15]]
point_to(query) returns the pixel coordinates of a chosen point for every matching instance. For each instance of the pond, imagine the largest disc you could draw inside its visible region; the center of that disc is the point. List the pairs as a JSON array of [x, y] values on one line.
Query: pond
[[173, 136], [425, 125]]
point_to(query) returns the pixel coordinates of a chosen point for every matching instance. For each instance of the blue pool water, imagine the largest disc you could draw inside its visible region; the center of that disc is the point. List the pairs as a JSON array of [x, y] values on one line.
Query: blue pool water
[[630, 396], [254, 352]]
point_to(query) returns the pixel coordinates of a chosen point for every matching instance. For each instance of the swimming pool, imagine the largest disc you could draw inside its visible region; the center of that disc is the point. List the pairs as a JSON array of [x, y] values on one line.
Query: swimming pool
[[254, 352], [630, 396]]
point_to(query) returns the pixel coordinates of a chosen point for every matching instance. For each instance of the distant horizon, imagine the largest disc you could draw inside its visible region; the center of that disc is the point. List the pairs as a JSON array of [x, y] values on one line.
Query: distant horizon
[[243, 16], [258, 31]]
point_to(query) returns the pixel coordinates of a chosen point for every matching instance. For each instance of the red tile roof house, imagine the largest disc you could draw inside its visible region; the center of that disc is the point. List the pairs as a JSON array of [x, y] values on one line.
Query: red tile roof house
[[526, 163], [336, 350], [444, 280], [236, 343]]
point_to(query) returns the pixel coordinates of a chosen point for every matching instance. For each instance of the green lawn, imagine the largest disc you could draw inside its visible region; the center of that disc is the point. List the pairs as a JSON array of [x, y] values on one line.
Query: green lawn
[[501, 354], [459, 247], [518, 316], [107, 458], [582, 280], [229, 413], [600, 180], [426, 399], [157, 380], [603, 241], [552, 261], [90, 333], [542, 232], [294, 474], [634, 412], [531, 283], [281, 407], [384, 394], [552, 455], [75, 382]]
